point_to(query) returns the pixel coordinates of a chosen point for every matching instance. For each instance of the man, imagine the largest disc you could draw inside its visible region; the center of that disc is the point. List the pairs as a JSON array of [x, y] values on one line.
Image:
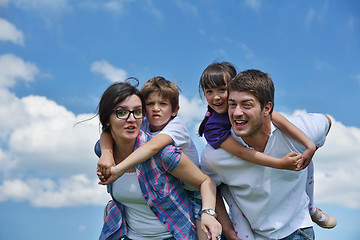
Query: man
[[274, 201]]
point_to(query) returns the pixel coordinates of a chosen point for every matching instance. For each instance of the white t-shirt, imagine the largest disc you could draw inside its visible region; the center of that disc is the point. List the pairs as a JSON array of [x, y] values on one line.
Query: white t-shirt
[[141, 221], [273, 200], [177, 130]]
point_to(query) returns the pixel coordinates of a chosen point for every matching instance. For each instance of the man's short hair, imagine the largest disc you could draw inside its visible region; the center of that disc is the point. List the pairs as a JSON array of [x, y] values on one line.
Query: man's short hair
[[255, 82], [165, 88]]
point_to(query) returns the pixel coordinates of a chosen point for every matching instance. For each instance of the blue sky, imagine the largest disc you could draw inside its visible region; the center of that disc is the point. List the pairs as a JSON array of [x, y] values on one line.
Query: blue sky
[[57, 57]]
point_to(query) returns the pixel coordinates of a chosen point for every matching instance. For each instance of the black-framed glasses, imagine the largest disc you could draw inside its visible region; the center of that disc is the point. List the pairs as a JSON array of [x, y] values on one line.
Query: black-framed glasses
[[125, 114]]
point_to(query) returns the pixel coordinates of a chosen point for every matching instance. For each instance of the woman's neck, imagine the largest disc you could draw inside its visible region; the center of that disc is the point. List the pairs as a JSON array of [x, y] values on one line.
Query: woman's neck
[[122, 150]]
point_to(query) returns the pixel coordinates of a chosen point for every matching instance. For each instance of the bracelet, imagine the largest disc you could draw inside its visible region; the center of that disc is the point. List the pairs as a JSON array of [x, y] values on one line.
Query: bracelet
[[209, 211]]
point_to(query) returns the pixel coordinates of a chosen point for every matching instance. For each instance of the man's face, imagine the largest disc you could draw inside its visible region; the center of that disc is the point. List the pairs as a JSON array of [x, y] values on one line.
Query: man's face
[[245, 113], [158, 111]]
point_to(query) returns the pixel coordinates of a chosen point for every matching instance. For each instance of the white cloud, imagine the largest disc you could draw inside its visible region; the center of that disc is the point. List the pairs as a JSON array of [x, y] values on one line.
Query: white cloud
[[13, 68], [4, 2], [49, 11], [254, 4], [53, 6], [108, 71], [191, 110], [150, 8], [318, 15], [38, 138], [187, 7], [114, 6], [46, 141], [73, 191], [322, 65], [357, 78], [337, 165], [8, 32], [309, 18]]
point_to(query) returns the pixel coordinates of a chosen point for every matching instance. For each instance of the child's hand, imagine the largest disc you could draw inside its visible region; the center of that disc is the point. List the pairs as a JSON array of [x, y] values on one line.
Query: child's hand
[[290, 161], [211, 227], [306, 157], [105, 163], [112, 178]]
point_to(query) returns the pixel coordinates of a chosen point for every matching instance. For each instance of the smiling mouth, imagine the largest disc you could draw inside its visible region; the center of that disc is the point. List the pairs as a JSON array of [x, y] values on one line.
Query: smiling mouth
[[240, 122], [218, 104]]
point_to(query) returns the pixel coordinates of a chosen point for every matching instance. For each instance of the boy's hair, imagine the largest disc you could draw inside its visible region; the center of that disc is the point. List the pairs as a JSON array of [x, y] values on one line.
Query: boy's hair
[[255, 82], [164, 88]]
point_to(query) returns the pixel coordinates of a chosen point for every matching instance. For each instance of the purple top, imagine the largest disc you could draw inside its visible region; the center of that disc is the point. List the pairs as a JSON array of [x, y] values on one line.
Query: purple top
[[217, 129]]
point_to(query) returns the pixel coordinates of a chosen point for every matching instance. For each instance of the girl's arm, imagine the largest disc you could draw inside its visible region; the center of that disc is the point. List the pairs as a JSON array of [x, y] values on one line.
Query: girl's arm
[[190, 173], [140, 155], [295, 133], [232, 146]]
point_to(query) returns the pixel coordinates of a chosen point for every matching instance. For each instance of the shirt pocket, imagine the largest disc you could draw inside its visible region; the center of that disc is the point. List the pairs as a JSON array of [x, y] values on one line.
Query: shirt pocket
[[162, 186]]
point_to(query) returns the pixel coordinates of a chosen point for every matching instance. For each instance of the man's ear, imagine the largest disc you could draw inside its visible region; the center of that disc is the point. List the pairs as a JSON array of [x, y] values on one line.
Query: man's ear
[[267, 109], [174, 113]]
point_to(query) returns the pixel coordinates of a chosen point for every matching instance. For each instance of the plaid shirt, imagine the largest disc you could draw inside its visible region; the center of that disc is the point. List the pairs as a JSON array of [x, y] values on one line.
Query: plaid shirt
[[164, 194]]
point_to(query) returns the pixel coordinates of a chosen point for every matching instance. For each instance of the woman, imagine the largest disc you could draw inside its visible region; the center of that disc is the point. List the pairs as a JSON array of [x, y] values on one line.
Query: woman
[[151, 197]]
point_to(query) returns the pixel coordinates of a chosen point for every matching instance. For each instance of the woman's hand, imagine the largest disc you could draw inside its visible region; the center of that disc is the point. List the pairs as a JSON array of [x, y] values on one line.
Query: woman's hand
[[211, 226]]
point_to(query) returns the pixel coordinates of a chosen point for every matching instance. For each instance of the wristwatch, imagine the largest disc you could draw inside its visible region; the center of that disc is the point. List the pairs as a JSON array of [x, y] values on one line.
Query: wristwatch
[[209, 211]]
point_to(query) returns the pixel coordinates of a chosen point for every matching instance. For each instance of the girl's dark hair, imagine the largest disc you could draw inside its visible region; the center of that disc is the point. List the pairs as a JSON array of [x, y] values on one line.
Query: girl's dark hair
[[115, 94], [215, 75]]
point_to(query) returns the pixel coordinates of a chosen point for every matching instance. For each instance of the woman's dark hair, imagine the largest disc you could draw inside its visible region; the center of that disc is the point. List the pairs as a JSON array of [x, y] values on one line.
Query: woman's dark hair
[[215, 75], [115, 94]]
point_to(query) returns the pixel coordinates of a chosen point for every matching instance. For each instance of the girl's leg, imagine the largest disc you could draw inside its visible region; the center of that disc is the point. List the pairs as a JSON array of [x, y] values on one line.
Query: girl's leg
[[240, 223], [320, 218], [310, 187]]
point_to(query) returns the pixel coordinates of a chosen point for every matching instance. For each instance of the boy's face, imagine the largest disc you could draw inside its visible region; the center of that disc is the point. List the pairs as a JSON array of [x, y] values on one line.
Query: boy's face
[[158, 111]]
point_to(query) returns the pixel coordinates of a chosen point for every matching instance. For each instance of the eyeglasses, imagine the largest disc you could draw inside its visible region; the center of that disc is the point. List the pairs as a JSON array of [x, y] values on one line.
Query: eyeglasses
[[125, 114]]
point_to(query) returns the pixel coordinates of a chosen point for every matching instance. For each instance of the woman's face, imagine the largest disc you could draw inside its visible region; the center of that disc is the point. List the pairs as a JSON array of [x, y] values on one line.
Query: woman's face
[[127, 128]]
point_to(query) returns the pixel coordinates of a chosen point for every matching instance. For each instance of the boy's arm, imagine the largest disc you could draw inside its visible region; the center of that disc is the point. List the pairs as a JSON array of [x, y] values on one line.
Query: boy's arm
[[106, 160], [295, 133], [138, 156], [144, 152], [234, 147]]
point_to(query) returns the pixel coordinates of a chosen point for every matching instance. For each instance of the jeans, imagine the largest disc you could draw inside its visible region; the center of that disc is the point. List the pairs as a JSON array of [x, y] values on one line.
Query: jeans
[[301, 234], [126, 238]]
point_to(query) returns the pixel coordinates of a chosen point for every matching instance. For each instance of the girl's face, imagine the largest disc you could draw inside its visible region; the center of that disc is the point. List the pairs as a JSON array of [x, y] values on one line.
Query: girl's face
[[217, 98], [127, 128]]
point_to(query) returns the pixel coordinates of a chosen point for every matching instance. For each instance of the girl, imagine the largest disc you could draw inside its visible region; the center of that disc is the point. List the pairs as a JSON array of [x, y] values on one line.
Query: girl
[[216, 129]]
